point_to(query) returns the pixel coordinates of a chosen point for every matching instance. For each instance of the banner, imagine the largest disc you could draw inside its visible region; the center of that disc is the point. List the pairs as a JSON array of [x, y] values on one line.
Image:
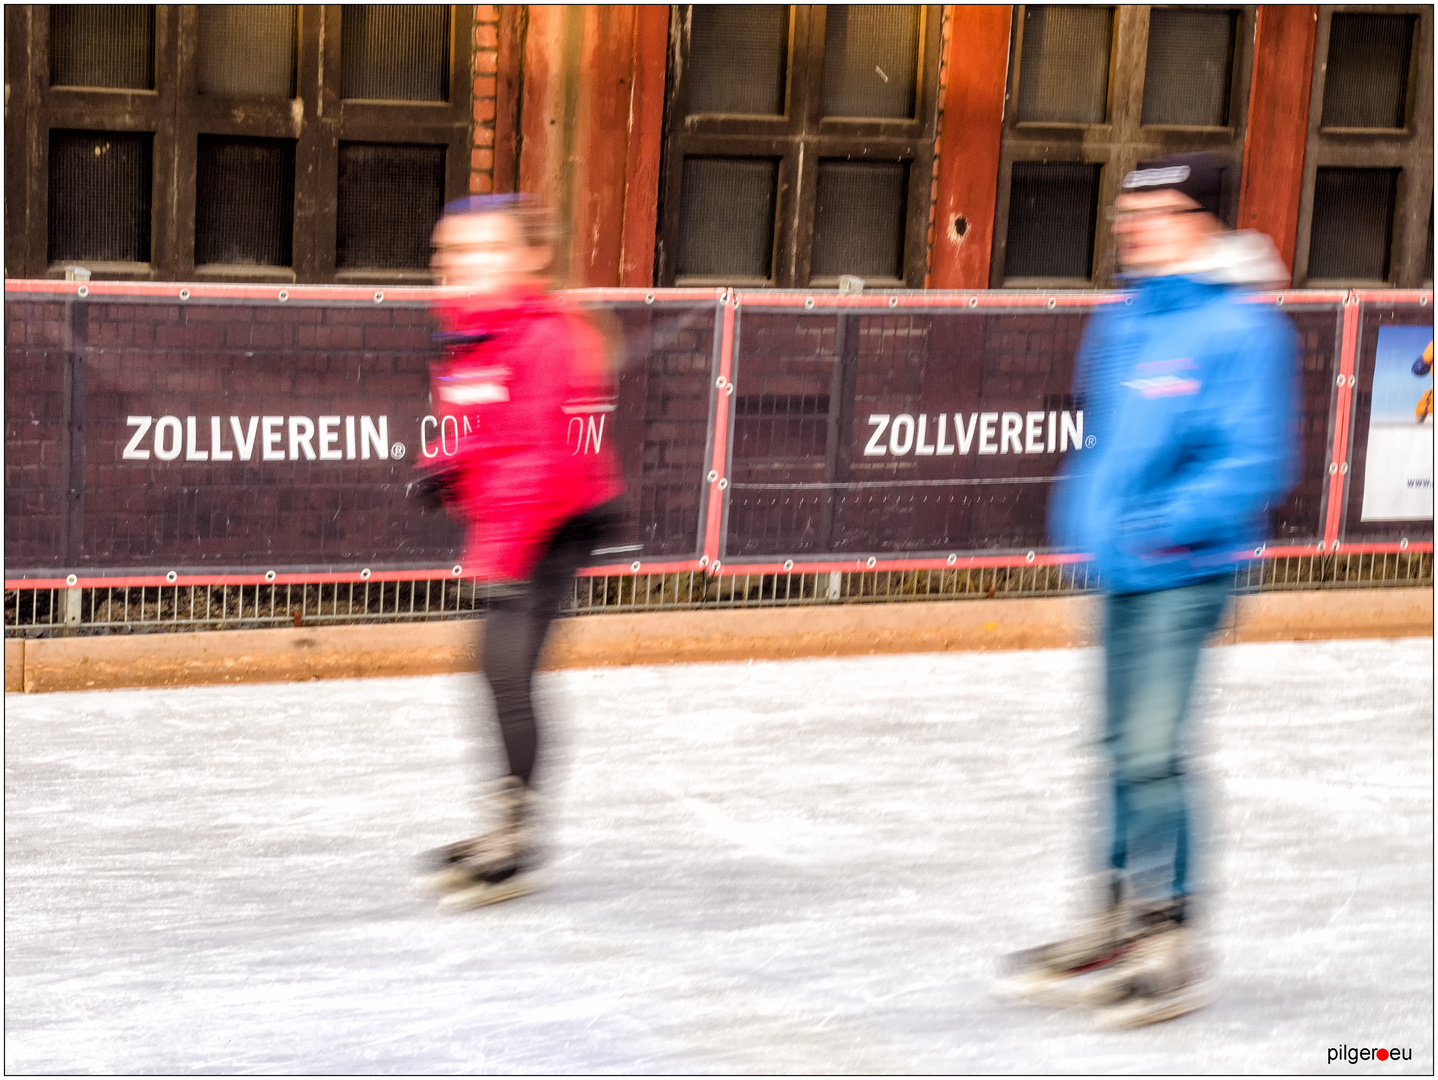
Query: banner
[[204, 435], [204, 430], [1398, 470], [930, 432], [899, 432], [1389, 497]]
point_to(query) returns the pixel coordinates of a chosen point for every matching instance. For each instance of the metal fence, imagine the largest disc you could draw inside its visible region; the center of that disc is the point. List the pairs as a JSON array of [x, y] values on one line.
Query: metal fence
[[46, 612]]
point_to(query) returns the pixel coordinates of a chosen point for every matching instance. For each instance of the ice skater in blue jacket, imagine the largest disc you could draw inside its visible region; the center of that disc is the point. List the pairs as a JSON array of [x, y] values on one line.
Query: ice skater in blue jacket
[[1189, 394]]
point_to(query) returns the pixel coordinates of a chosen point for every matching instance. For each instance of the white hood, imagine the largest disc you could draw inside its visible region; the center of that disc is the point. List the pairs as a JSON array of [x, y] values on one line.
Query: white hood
[[1239, 258]]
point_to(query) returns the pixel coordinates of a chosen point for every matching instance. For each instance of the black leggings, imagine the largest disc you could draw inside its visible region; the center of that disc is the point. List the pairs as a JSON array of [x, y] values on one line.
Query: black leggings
[[516, 626]]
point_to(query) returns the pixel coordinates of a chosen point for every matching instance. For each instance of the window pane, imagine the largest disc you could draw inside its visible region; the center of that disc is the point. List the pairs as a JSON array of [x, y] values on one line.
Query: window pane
[[859, 219], [726, 218], [1064, 73], [247, 50], [103, 45], [1352, 223], [394, 52], [100, 190], [1190, 67], [871, 59], [737, 58], [1053, 214], [244, 201], [389, 199], [1367, 81]]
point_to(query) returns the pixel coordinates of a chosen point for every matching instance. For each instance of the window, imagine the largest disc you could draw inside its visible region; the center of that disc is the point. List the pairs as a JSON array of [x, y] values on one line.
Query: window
[[1187, 75], [103, 46], [248, 50], [261, 142], [1064, 74], [99, 197], [1352, 223], [1369, 166], [1052, 218], [1366, 83], [799, 145], [1096, 92], [244, 201]]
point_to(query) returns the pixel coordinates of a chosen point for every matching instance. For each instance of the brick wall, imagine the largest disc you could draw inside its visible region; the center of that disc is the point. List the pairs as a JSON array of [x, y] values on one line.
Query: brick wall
[[486, 68]]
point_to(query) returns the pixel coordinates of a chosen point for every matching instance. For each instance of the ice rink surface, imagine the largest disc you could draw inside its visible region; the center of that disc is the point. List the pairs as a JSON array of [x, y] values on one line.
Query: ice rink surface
[[806, 866]]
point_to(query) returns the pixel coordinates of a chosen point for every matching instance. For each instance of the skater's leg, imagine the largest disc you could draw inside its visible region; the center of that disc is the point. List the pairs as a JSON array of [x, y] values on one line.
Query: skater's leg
[[553, 578], [1123, 648], [517, 626], [498, 865], [1156, 648], [507, 664], [495, 865], [571, 548]]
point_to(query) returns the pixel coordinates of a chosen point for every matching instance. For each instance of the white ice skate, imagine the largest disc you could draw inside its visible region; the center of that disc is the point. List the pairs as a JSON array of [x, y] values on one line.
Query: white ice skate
[[1076, 971], [498, 865], [1160, 979]]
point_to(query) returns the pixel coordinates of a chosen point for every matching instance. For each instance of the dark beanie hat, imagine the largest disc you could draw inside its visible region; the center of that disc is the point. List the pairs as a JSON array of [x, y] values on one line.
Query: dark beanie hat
[[1199, 176]]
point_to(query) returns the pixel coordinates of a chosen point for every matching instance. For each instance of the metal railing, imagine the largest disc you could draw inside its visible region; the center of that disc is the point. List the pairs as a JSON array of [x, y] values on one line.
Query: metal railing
[[46, 612]]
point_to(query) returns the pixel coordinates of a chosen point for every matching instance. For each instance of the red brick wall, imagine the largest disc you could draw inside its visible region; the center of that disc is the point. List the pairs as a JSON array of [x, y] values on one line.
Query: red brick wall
[[486, 67]]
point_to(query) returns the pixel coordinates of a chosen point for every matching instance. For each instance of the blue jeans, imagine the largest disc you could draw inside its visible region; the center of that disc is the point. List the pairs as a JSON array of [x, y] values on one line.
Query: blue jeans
[[1151, 645]]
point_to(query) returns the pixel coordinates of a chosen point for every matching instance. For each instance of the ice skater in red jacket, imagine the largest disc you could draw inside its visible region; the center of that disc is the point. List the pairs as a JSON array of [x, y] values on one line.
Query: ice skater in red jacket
[[524, 375]]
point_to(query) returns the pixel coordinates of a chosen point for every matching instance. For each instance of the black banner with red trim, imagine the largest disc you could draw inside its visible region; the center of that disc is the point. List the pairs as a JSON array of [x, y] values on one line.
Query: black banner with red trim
[[209, 430]]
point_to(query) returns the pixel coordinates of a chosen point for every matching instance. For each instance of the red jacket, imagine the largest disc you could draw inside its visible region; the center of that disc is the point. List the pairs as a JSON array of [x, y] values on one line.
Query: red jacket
[[532, 395]]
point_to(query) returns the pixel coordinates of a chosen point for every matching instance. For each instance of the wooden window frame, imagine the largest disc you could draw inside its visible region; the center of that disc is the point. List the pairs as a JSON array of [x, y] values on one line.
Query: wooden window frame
[[1408, 149], [317, 119], [799, 139], [1121, 141]]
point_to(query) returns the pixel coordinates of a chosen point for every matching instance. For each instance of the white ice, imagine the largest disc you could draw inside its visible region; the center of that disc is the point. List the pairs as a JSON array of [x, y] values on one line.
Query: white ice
[[773, 867]]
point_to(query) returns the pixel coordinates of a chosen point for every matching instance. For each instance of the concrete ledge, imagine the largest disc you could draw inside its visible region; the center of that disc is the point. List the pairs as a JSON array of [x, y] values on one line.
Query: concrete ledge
[[14, 664], [279, 655]]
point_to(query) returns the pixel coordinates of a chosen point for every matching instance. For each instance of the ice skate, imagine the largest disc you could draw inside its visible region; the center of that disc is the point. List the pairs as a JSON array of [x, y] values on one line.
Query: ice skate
[[495, 866], [1161, 978], [1074, 971]]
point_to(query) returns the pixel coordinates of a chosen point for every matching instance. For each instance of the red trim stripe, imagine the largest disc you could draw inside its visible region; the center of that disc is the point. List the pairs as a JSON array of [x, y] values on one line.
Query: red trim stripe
[[714, 526], [1422, 297], [1337, 465], [928, 298], [200, 290]]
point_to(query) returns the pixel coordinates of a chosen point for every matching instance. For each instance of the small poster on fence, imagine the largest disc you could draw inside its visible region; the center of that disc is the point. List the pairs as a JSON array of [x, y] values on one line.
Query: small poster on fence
[[1398, 476]]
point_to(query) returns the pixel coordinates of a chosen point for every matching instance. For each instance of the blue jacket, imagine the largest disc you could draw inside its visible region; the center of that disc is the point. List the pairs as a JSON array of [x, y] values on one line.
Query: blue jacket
[[1189, 397]]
